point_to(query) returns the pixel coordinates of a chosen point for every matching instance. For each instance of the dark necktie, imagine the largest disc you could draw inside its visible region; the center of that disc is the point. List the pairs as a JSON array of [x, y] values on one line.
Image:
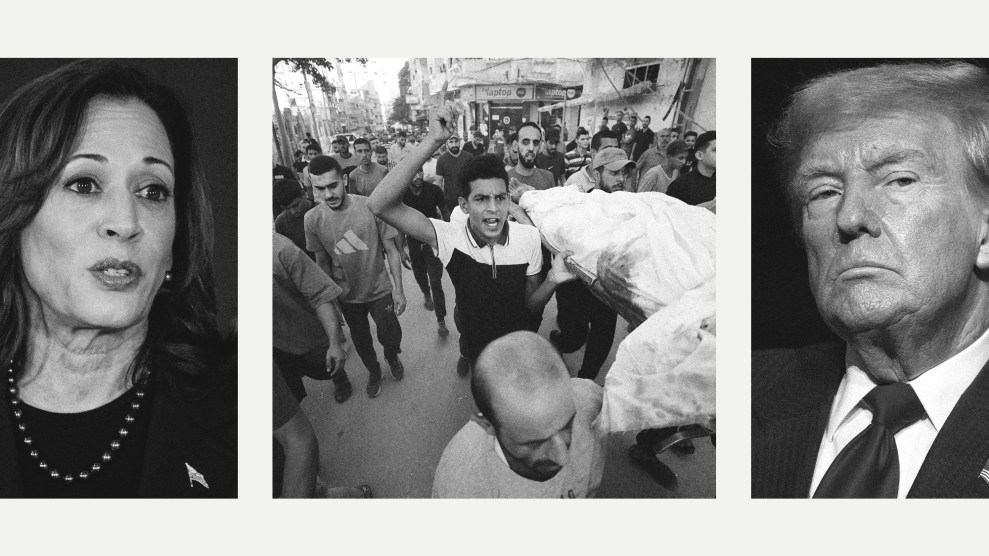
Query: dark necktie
[[869, 466]]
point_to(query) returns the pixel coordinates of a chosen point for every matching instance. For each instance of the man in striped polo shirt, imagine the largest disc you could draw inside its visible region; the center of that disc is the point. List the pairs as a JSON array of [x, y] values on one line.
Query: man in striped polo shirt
[[494, 265]]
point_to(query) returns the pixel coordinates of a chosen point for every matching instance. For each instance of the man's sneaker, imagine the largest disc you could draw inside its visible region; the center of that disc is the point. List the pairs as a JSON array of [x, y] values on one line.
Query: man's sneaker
[[442, 329], [374, 385], [463, 366], [397, 369], [342, 389], [429, 303]]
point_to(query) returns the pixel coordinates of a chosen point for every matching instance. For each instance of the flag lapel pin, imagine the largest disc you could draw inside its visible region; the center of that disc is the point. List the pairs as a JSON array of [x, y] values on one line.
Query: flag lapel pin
[[197, 477]]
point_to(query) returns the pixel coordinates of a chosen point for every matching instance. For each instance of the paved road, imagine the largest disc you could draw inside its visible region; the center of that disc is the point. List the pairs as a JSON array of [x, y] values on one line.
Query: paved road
[[394, 441]]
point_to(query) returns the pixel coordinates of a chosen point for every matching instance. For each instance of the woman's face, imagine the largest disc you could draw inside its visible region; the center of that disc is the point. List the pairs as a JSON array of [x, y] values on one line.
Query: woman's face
[[96, 253]]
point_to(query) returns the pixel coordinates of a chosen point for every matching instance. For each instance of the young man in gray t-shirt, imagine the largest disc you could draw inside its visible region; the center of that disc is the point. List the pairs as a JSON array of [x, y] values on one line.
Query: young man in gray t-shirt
[[348, 242]]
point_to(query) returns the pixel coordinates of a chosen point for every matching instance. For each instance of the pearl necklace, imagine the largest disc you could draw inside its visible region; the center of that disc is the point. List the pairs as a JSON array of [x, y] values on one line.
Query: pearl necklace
[[107, 456]]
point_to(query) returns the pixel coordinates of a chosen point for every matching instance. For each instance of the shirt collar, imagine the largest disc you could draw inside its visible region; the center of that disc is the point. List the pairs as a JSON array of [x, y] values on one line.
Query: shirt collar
[[939, 389], [590, 184], [479, 240]]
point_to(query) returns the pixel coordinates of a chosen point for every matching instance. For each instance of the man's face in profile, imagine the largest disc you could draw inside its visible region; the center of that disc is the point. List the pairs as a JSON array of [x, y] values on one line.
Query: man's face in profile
[[891, 228]]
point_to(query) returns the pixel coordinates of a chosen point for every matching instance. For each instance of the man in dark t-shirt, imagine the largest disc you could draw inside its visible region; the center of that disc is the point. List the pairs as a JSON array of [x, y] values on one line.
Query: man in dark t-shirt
[[476, 146], [449, 167], [552, 160], [427, 198], [291, 197], [642, 139], [699, 185]]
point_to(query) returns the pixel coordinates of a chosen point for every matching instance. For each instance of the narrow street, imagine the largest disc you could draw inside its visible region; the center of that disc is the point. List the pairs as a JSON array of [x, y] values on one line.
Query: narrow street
[[394, 442]]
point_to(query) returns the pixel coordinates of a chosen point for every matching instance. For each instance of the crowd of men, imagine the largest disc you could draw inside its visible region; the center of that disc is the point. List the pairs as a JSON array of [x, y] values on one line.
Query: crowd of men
[[350, 222]]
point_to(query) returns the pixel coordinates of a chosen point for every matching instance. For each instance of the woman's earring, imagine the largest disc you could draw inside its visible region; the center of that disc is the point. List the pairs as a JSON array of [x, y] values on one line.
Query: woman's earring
[[168, 276]]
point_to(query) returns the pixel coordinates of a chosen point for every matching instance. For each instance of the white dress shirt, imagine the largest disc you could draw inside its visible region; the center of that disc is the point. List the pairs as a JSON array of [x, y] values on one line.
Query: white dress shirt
[[938, 389]]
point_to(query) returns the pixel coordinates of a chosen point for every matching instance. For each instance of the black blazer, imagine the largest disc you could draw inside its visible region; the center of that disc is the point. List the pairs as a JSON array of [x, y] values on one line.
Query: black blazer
[[792, 392], [200, 431]]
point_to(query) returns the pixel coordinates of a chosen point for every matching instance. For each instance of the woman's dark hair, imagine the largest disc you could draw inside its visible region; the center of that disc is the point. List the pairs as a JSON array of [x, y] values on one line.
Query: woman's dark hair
[[39, 128]]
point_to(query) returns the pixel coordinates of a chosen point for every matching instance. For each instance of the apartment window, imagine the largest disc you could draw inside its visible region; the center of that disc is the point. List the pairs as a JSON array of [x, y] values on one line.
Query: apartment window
[[641, 74]]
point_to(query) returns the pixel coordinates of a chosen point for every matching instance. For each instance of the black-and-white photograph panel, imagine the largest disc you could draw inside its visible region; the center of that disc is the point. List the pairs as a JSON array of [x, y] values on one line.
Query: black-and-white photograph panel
[[117, 184], [870, 278], [494, 277]]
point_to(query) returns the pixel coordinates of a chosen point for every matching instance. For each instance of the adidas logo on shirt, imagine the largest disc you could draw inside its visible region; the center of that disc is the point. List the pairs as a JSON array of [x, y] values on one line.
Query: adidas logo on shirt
[[350, 243]]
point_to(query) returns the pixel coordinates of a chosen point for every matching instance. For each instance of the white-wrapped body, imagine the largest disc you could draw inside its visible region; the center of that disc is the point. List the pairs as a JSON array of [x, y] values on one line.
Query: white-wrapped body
[[658, 255]]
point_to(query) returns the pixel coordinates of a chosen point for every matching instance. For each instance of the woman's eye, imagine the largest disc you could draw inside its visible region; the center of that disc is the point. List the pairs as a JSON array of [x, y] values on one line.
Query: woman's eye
[[83, 186], [156, 192]]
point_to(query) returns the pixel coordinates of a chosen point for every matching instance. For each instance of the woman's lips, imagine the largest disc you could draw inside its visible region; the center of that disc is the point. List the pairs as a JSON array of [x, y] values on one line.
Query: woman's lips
[[116, 275]]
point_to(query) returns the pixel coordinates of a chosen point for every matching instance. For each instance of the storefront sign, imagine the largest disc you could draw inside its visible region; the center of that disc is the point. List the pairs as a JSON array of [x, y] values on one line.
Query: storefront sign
[[504, 92], [558, 93]]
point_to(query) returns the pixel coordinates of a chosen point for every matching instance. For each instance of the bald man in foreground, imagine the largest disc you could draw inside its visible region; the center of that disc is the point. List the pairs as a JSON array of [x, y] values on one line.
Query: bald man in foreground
[[533, 437]]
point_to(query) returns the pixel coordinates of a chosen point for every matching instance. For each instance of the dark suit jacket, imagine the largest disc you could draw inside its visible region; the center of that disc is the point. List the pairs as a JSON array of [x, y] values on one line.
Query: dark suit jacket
[[792, 392], [197, 430]]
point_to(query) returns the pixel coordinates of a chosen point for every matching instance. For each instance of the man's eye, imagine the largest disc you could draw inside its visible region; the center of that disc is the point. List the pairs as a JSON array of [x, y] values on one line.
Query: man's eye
[[823, 194], [904, 181], [83, 186]]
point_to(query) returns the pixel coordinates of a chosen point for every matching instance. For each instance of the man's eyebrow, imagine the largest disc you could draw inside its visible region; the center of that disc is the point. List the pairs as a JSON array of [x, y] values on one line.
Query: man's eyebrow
[[900, 156], [567, 426]]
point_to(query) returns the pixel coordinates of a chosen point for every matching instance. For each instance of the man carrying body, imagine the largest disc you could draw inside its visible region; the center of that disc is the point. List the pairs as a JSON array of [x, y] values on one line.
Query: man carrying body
[[581, 316], [700, 184], [427, 198], [348, 242], [400, 149], [660, 177], [368, 173], [889, 193], [449, 168], [529, 139], [585, 180], [344, 157], [655, 156], [552, 160], [533, 437], [494, 266]]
